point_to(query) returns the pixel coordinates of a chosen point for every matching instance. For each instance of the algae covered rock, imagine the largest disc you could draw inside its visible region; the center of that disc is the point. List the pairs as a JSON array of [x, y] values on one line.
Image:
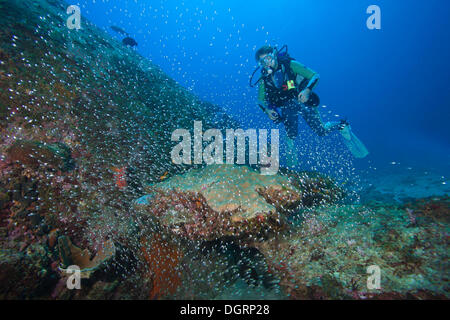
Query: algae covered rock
[[328, 256], [27, 274], [223, 200], [36, 154], [220, 200], [316, 189]]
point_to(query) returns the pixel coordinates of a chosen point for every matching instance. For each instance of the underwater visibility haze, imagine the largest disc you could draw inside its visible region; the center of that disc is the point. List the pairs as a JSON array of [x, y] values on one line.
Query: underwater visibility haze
[[224, 149]]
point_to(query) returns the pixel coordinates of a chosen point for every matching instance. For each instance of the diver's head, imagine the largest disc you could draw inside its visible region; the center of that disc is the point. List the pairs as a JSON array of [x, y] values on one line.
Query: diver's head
[[267, 58]]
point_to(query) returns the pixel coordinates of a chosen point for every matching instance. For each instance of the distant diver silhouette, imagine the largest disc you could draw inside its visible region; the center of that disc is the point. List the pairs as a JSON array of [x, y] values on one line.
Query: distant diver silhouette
[[127, 41], [119, 30]]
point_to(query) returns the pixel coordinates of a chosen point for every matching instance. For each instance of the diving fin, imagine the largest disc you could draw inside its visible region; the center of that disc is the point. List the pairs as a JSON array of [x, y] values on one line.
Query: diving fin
[[356, 147], [292, 155]]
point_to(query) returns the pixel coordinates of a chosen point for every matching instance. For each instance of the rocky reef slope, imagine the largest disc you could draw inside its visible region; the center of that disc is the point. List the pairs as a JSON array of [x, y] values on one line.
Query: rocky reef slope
[[84, 121]]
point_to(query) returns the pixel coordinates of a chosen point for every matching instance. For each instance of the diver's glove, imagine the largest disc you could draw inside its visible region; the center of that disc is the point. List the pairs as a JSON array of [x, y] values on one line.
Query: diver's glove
[[272, 114]]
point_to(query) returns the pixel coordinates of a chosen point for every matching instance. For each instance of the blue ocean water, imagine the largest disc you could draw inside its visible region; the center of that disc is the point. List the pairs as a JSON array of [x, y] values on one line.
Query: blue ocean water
[[391, 84]]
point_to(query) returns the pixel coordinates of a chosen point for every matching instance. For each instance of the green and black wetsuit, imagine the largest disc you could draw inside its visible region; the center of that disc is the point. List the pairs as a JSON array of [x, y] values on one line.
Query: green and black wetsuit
[[281, 88]]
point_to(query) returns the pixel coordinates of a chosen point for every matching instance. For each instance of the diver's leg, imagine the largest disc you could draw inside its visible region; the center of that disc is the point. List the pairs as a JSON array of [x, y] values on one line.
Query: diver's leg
[[291, 153], [314, 120], [290, 121], [312, 117]]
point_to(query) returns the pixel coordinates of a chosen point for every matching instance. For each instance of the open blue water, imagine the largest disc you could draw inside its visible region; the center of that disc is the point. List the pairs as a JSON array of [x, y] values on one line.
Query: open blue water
[[391, 84]]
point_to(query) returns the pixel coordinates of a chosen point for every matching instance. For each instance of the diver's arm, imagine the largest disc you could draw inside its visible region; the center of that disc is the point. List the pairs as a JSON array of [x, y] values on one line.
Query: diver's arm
[[262, 94], [313, 82], [306, 73], [305, 94]]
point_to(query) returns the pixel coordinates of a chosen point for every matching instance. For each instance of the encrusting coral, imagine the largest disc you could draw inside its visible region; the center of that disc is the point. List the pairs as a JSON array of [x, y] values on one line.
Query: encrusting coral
[[222, 201], [72, 255]]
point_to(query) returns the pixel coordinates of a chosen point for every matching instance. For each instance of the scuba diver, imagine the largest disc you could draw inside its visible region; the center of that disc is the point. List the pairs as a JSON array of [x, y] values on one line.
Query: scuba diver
[[286, 90]]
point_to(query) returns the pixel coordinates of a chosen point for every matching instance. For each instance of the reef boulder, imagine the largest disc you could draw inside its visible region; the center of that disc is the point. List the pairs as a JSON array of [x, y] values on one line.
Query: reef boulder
[[222, 200], [35, 154]]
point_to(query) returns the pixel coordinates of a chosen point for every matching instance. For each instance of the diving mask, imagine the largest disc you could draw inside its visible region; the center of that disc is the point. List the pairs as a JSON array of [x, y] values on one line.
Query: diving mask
[[267, 60]]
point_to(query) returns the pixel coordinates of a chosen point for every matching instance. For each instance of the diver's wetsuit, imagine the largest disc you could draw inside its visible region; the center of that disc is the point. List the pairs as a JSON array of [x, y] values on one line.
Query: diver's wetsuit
[[275, 91]]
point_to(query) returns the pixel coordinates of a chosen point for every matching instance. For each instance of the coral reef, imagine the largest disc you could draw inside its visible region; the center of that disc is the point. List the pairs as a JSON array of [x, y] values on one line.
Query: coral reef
[[328, 254], [229, 201]]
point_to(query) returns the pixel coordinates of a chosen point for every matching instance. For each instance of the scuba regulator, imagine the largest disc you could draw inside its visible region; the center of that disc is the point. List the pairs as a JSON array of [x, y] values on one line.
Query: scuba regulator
[[264, 73]]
